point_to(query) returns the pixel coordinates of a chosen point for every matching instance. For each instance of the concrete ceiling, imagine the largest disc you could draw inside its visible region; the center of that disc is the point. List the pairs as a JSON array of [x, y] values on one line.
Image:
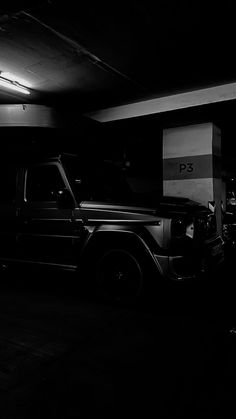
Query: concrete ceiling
[[92, 55]]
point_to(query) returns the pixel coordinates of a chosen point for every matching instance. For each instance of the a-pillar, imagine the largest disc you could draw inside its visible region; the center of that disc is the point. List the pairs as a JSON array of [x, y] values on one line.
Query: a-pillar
[[192, 165]]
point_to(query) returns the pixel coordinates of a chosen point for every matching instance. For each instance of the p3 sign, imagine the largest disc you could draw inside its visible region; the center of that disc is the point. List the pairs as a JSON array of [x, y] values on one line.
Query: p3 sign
[[188, 167]]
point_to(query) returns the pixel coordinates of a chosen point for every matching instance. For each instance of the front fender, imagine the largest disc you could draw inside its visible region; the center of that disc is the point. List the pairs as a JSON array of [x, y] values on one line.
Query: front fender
[[107, 236]]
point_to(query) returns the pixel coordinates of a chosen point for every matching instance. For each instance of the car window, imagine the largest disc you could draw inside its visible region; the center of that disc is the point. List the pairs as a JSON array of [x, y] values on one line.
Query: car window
[[43, 182], [7, 183]]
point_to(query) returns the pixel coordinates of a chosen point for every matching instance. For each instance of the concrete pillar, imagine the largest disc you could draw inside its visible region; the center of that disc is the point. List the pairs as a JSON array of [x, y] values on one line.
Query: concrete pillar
[[192, 165]]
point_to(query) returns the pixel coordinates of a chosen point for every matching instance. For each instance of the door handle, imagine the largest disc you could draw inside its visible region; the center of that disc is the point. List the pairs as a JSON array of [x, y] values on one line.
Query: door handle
[[27, 220]]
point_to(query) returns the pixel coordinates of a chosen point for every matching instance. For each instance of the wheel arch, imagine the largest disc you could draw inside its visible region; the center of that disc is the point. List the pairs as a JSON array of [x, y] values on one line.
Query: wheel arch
[[119, 236]]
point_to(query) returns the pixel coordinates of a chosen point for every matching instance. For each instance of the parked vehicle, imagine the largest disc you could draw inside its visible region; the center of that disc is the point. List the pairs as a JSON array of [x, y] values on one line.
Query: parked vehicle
[[63, 212], [229, 218]]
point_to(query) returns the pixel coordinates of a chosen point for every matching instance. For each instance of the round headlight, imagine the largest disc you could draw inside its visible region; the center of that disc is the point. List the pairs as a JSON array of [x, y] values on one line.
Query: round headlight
[[178, 228]]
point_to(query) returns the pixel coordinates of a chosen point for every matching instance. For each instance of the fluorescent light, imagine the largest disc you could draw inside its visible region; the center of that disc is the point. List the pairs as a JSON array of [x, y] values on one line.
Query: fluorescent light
[[16, 79], [13, 85]]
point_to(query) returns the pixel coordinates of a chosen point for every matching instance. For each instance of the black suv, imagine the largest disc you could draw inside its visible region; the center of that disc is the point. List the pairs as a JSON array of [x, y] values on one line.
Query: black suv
[[67, 213]]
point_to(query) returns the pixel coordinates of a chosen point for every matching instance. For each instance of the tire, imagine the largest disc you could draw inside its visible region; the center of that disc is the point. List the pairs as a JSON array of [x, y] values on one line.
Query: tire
[[119, 275]]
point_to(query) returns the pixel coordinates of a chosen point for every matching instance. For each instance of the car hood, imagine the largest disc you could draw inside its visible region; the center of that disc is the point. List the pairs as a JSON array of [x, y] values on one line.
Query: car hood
[[160, 206], [178, 205]]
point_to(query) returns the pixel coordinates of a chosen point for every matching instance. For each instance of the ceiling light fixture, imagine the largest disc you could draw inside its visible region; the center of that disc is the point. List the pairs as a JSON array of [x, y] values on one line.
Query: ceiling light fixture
[[13, 85], [12, 77]]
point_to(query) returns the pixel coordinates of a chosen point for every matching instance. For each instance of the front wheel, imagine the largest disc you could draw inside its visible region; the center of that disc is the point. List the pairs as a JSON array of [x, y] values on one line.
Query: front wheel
[[119, 275]]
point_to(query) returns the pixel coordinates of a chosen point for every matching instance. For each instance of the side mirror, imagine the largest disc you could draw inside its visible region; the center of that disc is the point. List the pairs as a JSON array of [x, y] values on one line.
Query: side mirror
[[64, 198]]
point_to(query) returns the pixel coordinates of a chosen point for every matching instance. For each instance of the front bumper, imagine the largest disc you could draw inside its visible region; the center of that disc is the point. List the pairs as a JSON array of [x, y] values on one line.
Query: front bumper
[[203, 260]]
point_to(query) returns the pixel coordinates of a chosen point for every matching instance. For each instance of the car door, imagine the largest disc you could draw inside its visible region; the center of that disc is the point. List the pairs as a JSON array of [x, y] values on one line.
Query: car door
[[8, 176], [47, 232]]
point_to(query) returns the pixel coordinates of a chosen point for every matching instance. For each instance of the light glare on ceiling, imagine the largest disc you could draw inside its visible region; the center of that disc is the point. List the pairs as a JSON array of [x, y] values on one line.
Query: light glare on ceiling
[[13, 85], [9, 76]]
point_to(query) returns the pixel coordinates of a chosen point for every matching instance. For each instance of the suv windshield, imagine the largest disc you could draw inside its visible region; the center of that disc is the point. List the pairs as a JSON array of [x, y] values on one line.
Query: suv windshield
[[97, 181]]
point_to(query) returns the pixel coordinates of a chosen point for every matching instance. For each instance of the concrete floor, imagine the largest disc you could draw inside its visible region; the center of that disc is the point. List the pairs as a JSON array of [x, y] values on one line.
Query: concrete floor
[[63, 355]]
